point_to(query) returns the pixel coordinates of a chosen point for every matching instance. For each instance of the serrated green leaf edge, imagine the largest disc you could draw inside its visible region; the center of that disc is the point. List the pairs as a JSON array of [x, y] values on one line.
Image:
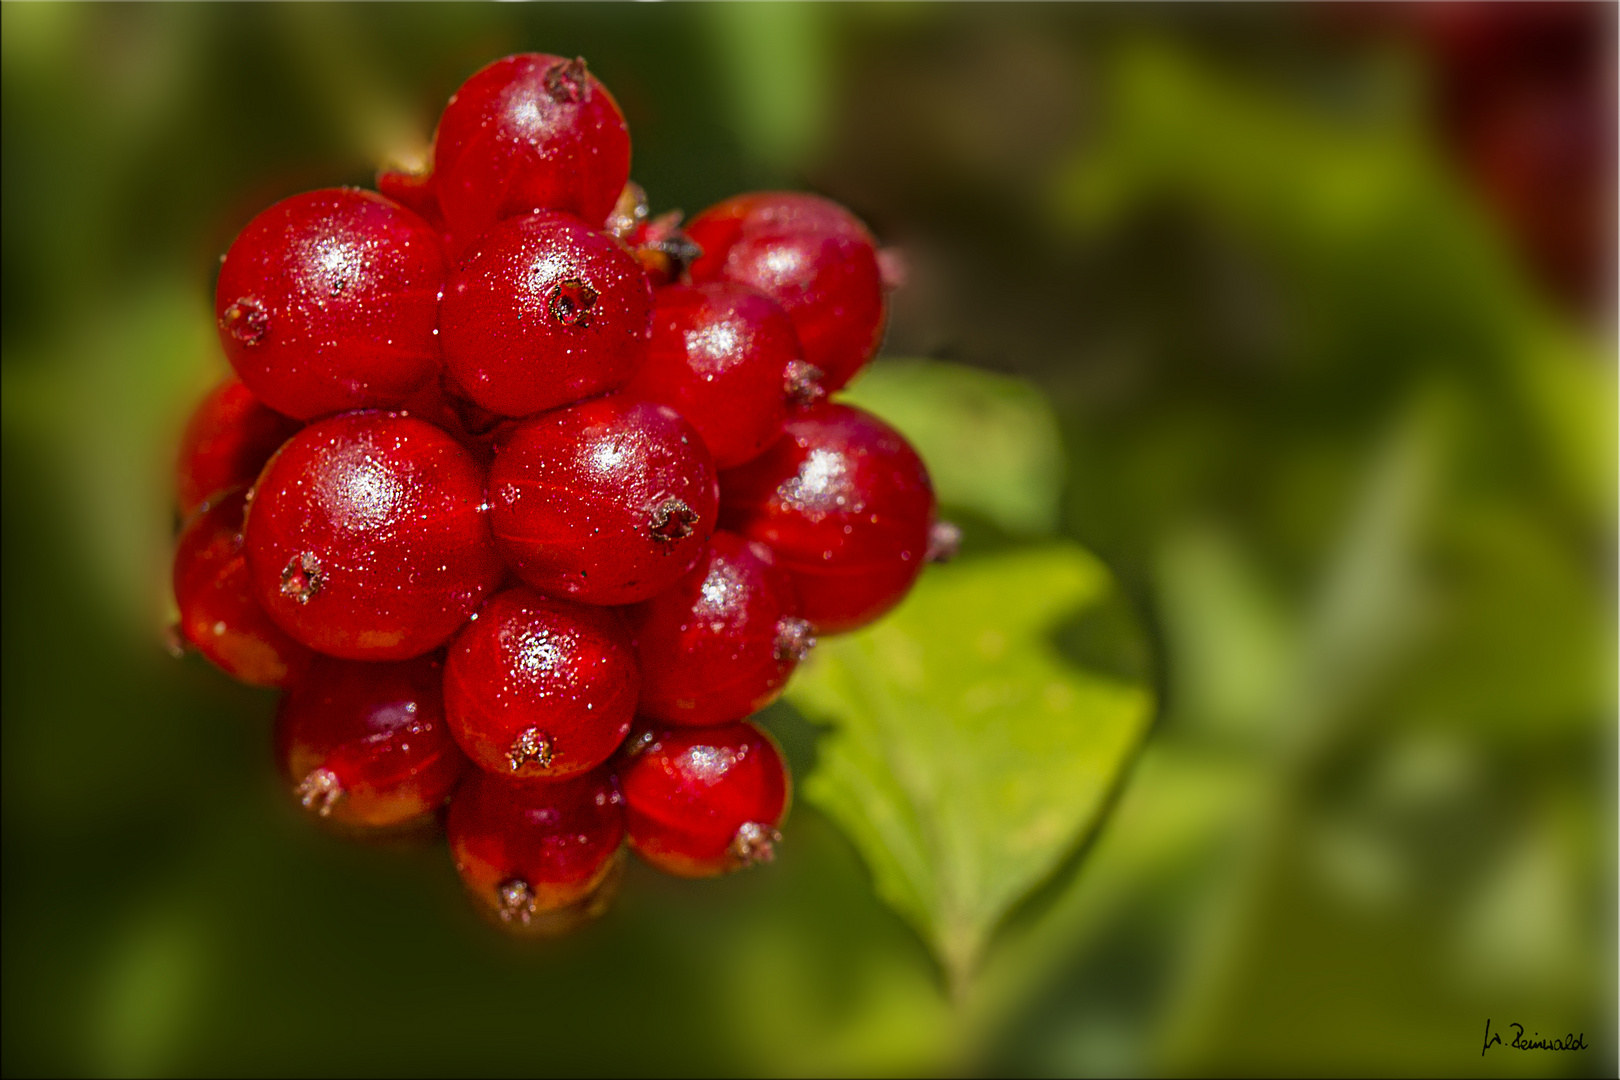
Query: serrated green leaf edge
[[959, 810]]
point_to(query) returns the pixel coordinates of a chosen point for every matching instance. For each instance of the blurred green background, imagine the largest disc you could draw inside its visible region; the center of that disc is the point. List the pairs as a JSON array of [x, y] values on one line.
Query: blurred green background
[[1299, 319]]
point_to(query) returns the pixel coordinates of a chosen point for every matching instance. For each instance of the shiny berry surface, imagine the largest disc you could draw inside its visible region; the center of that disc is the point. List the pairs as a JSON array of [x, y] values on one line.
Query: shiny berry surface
[[366, 744], [530, 132], [226, 442], [720, 645], [367, 537], [541, 688], [720, 356], [846, 504], [417, 192], [543, 311], [811, 256], [704, 801], [609, 501], [328, 301], [218, 614], [523, 847]]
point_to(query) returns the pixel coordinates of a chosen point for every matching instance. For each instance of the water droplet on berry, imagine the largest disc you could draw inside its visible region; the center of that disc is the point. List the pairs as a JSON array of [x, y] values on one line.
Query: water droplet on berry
[[944, 541], [571, 301], [246, 320], [319, 791], [672, 520], [755, 843], [174, 641], [302, 577], [794, 639], [531, 745]]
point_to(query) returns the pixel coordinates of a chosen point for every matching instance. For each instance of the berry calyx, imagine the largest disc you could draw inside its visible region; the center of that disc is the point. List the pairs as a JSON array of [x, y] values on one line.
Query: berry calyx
[[543, 311], [529, 132], [527, 847], [705, 801], [607, 502], [814, 258], [367, 537], [366, 744], [226, 442], [329, 301], [847, 506], [541, 688], [722, 356], [721, 643], [214, 592]]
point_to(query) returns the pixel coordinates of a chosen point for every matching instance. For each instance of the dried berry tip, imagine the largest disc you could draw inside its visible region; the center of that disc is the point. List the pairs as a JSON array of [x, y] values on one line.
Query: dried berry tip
[[571, 301], [794, 639], [302, 577], [802, 383], [319, 791], [672, 520], [755, 843], [530, 745], [515, 900], [944, 541], [565, 81], [246, 320]]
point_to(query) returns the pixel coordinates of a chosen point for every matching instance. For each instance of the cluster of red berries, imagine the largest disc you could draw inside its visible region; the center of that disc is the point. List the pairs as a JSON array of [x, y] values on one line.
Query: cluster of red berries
[[528, 499]]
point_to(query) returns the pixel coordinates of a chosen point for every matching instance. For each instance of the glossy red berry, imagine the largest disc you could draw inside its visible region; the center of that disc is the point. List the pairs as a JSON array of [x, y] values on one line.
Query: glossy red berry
[[527, 847], [226, 442], [218, 613], [329, 301], [543, 311], [704, 801], [811, 256], [721, 643], [530, 132], [366, 744], [541, 688], [607, 502], [722, 355], [367, 537], [846, 504], [418, 192]]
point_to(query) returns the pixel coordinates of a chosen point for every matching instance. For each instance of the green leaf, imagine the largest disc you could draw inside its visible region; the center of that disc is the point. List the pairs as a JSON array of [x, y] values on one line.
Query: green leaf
[[991, 442], [968, 757]]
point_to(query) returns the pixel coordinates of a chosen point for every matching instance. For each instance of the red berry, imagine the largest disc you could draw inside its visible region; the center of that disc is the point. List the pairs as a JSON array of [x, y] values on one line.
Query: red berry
[[525, 847], [536, 687], [418, 192], [226, 442], [329, 301], [704, 801], [846, 504], [529, 132], [366, 744], [543, 311], [721, 644], [218, 613], [720, 355], [367, 537], [812, 257], [607, 502]]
